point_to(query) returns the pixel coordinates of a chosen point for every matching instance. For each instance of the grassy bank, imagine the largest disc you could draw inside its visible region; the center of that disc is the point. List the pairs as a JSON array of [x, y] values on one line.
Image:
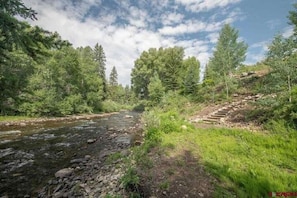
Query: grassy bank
[[14, 118], [244, 163]]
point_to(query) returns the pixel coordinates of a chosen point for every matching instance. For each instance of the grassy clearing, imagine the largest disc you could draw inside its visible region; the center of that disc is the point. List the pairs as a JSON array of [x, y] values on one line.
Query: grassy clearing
[[247, 164]]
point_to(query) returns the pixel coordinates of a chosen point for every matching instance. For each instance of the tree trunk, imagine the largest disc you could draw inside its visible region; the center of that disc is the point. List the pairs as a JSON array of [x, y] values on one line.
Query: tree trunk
[[290, 89], [227, 88]]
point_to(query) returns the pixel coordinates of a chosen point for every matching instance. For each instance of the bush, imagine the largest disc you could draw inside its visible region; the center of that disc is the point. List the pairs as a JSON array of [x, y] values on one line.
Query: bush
[[111, 106]]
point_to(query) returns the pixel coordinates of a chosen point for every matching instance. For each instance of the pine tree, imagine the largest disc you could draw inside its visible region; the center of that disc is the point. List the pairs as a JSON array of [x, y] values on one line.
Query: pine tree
[[191, 79], [100, 59], [113, 78]]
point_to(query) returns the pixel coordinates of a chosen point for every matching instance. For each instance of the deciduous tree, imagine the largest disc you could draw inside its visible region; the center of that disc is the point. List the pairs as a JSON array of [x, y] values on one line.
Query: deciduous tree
[[228, 55]]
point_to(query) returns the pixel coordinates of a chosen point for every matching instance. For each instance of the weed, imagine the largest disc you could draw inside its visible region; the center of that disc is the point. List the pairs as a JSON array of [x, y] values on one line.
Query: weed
[[170, 171], [113, 157], [130, 180], [164, 185]]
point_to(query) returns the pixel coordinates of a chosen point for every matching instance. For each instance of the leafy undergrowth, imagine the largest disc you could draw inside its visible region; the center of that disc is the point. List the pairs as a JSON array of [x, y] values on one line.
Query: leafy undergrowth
[[179, 159]]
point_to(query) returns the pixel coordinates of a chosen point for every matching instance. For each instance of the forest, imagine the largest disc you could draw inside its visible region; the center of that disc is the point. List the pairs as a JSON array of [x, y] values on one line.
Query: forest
[[43, 75]]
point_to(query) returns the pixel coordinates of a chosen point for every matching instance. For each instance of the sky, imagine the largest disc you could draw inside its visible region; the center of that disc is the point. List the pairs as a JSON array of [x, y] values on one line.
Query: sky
[[126, 28]]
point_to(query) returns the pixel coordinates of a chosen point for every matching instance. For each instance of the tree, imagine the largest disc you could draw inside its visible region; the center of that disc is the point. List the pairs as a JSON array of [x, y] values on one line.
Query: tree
[[171, 71], [144, 68], [91, 83], [16, 34], [228, 55], [282, 58], [156, 89], [293, 18], [191, 78], [14, 77], [100, 59], [113, 78], [167, 63]]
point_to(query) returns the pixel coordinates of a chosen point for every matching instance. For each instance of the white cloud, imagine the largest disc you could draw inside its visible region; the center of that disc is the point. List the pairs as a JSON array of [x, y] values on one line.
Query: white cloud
[[205, 5], [213, 37], [261, 44], [288, 31], [257, 52], [172, 18], [190, 26]]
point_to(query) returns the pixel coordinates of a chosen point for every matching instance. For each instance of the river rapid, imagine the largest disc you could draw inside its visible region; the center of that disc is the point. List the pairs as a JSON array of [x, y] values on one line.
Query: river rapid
[[66, 158]]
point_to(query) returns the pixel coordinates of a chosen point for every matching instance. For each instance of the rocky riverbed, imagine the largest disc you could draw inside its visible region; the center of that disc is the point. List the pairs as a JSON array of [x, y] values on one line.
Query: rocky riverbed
[[77, 159]]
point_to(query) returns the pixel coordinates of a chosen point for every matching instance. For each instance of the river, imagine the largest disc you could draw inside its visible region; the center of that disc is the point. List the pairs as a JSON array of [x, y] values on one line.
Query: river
[[30, 156]]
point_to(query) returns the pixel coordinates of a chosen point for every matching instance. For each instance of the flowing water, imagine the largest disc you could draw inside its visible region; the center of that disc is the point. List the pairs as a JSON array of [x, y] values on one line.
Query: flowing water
[[30, 156]]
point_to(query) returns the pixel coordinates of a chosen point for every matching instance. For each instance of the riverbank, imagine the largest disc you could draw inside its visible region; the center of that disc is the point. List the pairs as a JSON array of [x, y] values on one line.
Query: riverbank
[[34, 121]]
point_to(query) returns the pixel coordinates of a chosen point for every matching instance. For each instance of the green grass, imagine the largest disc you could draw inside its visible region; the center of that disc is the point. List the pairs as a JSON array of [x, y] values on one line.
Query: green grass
[[248, 164], [13, 118]]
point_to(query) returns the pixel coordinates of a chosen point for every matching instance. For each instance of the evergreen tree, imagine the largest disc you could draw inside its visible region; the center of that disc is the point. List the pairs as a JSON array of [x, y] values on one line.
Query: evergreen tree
[[17, 34], [113, 78], [191, 79], [100, 59]]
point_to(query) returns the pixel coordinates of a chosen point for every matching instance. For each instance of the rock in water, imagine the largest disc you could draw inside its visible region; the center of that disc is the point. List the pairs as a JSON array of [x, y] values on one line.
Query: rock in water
[[65, 172], [128, 116]]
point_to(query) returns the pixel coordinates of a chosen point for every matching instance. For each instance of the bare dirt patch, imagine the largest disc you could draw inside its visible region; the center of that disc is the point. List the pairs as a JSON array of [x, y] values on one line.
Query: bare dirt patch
[[176, 176]]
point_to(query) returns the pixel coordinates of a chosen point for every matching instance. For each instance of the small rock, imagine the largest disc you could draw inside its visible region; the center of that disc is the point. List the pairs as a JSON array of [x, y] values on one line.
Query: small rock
[[201, 194], [128, 116], [65, 172], [91, 141], [76, 161], [137, 143], [184, 127], [125, 153], [23, 124]]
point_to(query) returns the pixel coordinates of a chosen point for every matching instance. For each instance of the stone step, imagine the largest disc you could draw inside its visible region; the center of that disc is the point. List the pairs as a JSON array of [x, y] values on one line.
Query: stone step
[[221, 113], [211, 120], [217, 116]]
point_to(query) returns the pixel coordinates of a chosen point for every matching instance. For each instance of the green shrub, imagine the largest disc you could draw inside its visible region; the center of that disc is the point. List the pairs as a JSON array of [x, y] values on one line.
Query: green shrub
[[111, 106]]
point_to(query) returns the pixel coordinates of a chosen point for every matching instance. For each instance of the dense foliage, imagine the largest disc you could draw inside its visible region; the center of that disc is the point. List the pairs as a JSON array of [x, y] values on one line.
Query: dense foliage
[[43, 75], [175, 72]]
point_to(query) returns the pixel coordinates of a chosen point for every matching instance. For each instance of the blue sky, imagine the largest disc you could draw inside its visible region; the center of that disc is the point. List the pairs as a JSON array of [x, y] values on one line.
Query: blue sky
[[125, 28]]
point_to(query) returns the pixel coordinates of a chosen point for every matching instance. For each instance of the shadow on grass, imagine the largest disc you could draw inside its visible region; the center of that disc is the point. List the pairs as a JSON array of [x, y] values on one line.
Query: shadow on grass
[[243, 184]]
